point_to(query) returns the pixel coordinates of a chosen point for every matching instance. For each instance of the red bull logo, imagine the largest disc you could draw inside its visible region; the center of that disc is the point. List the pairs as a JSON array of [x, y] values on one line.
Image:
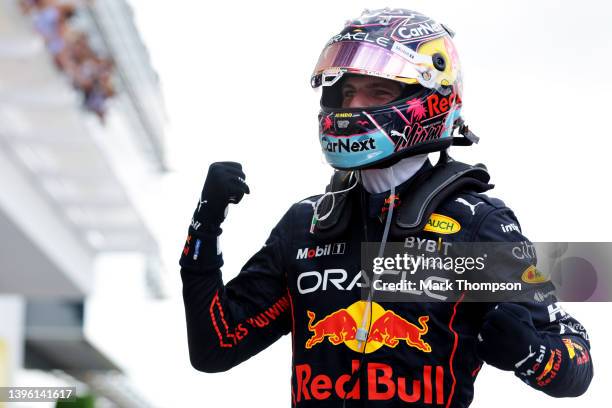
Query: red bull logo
[[337, 327], [391, 328], [390, 202], [425, 385], [387, 329]]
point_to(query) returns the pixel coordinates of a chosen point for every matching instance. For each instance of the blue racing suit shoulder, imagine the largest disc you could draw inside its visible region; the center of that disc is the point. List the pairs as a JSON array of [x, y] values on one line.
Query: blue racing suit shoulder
[[476, 212]]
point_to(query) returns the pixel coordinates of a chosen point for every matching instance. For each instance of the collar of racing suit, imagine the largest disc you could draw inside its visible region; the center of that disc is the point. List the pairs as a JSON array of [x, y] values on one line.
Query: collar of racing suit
[[381, 180], [378, 182]]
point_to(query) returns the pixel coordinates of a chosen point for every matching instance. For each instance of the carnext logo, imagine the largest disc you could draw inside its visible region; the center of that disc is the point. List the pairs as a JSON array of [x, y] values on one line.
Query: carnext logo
[[336, 248]]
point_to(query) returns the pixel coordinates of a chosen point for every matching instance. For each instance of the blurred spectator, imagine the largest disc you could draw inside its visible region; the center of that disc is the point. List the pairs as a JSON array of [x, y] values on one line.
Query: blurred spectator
[[28, 5], [72, 53]]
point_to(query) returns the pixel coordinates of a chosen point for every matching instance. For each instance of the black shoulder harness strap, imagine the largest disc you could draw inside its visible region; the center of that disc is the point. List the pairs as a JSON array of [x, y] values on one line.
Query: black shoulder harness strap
[[340, 205], [428, 191], [443, 181]]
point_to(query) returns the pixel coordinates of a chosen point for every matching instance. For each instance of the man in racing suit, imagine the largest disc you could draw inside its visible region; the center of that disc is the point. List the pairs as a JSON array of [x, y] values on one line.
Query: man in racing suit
[[308, 282]]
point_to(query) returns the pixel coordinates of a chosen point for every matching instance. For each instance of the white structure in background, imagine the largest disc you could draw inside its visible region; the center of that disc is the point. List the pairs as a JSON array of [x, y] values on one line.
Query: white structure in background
[[71, 189]]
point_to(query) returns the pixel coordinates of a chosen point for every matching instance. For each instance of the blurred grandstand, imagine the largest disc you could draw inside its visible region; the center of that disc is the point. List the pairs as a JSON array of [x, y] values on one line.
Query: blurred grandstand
[[81, 136]]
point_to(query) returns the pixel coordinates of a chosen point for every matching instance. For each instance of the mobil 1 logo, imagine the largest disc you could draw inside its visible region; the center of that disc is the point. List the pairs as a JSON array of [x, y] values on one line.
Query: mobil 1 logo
[[336, 248]]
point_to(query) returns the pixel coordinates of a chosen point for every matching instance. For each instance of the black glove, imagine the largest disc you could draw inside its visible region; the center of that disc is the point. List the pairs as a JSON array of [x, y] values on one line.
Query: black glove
[[509, 341], [224, 184]]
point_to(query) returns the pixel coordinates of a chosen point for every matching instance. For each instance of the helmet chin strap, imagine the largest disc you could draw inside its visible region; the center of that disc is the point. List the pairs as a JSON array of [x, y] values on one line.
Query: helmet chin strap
[[381, 180]]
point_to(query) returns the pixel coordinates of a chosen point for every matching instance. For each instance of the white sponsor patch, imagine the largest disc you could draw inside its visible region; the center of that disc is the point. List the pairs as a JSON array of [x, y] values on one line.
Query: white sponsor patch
[[410, 54]]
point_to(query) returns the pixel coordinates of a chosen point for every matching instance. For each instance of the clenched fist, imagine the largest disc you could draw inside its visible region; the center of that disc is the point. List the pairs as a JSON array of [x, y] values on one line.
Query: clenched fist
[[225, 184]]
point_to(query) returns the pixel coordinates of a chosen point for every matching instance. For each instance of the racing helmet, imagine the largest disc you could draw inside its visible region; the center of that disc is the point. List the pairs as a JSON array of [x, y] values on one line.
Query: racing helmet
[[399, 45]]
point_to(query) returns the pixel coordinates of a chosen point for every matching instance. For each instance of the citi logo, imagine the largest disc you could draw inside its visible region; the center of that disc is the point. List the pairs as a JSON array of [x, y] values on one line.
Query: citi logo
[[336, 248]]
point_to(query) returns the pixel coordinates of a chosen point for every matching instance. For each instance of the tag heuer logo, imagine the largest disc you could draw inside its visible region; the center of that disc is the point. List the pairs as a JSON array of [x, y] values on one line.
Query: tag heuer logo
[[533, 275]]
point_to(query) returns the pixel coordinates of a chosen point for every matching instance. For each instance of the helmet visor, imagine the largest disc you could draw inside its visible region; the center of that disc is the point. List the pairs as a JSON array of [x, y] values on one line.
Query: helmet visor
[[399, 63]]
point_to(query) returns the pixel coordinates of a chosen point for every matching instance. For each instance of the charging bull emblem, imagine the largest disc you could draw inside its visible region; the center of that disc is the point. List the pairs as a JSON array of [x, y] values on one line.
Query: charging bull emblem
[[386, 329], [390, 328], [337, 327]]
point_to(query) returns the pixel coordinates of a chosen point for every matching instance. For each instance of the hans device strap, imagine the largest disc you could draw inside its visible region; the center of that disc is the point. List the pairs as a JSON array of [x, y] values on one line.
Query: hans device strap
[[427, 191], [445, 179]]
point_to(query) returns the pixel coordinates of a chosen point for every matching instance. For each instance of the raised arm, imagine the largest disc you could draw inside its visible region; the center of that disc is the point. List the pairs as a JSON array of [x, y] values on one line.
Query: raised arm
[[227, 324]]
